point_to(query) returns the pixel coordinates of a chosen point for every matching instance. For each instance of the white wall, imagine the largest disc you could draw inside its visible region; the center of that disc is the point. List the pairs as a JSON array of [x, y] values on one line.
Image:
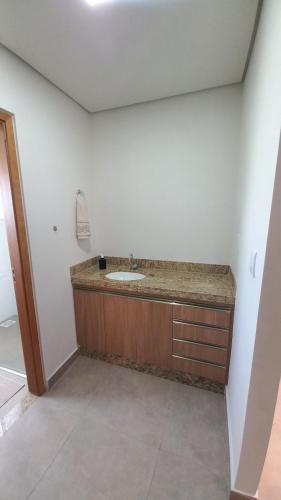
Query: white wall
[[163, 175], [8, 305], [53, 140], [261, 111]]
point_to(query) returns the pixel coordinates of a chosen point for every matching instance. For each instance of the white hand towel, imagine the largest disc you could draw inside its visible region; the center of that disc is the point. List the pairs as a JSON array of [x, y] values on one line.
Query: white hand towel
[[82, 218]]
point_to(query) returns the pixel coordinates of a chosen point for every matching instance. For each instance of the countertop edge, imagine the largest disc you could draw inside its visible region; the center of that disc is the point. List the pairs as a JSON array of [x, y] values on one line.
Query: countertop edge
[[194, 298]]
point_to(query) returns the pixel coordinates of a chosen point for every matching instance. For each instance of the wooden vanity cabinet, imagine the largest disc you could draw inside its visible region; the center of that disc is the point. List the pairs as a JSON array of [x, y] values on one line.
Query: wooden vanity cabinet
[[136, 329], [186, 338]]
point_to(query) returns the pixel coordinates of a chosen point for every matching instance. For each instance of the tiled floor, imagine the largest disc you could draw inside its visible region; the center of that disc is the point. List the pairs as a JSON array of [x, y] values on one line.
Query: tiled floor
[[11, 353], [109, 433], [10, 384], [13, 410]]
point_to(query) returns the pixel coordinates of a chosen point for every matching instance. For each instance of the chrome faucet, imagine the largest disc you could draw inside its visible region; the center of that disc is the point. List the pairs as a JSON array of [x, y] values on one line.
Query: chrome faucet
[[131, 264]]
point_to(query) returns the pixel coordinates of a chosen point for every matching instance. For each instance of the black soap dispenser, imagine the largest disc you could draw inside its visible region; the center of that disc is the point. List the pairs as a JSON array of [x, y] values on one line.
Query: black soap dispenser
[[102, 262]]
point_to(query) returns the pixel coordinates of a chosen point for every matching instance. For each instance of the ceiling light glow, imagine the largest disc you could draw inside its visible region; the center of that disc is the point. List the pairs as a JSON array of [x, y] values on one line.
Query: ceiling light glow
[[95, 2]]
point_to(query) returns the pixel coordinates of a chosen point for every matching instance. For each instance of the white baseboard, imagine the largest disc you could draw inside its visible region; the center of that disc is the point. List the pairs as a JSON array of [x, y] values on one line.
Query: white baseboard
[[62, 367], [239, 495]]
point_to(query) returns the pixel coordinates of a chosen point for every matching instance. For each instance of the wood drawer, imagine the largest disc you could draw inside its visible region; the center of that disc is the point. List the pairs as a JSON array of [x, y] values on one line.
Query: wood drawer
[[201, 352], [202, 315], [203, 334], [200, 369]]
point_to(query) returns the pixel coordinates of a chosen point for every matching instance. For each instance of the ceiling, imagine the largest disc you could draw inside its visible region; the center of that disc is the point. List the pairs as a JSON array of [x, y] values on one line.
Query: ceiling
[[130, 51]]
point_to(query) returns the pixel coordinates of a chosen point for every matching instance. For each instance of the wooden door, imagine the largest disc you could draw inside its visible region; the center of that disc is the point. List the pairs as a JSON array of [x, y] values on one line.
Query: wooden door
[[19, 253]]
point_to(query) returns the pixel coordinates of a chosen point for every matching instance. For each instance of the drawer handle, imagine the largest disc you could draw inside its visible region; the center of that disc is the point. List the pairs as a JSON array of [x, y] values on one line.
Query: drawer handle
[[198, 361], [201, 344], [203, 308], [200, 325]]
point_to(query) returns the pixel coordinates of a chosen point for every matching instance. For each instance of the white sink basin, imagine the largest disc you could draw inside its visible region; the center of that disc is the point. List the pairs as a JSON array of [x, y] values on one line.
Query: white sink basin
[[125, 276]]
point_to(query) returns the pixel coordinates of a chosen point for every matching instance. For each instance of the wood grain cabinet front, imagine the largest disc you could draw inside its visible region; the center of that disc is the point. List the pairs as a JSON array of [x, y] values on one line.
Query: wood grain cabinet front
[[202, 341], [135, 329], [187, 338], [119, 327], [200, 369], [152, 323], [202, 315], [201, 352], [198, 333], [89, 320]]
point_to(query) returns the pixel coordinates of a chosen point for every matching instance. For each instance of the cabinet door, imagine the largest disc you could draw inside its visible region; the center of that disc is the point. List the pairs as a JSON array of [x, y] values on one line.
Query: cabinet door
[[152, 322], [137, 329], [89, 320], [119, 327]]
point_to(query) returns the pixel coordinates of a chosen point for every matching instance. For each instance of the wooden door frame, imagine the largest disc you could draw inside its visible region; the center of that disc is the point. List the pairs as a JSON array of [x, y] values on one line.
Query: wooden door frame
[[19, 253]]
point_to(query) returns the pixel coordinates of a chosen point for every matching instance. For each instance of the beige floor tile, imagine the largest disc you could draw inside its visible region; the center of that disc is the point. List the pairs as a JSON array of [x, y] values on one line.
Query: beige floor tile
[[197, 428], [98, 463], [176, 478], [74, 389], [13, 410], [135, 404], [28, 448], [97, 435]]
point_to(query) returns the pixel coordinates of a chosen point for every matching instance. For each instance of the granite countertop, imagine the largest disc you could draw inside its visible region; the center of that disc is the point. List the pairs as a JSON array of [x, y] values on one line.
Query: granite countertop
[[185, 282]]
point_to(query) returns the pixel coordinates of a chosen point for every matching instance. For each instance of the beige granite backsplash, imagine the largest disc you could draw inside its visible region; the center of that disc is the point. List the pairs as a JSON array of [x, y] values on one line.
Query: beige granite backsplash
[[78, 268], [153, 264], [170, 265]]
